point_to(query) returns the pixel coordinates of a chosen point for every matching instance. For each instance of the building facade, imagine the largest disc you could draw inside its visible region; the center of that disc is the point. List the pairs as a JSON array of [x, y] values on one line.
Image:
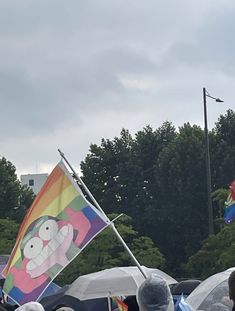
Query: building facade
[[34, 181]]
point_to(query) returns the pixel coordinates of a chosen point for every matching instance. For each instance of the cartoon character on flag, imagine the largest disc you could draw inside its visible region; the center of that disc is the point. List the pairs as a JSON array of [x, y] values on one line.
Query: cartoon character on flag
[[59, 224], [229, 215]]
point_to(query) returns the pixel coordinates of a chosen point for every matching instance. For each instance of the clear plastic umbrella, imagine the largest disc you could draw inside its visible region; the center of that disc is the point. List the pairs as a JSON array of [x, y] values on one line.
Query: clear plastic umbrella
[[212, 293], [119, 281]]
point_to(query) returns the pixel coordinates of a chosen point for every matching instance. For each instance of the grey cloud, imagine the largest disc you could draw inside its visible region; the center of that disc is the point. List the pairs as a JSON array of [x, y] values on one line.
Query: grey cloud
[[35, 92], [63, 68], [210, 46]]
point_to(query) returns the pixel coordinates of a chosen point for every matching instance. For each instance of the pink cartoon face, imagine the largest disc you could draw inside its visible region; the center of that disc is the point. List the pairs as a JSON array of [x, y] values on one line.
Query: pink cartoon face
[[49, 245], [46, 245]]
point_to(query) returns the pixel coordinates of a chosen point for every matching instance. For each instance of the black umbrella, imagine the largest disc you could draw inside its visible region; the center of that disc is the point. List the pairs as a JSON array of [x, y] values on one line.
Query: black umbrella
[[51, 302], [185, 287]]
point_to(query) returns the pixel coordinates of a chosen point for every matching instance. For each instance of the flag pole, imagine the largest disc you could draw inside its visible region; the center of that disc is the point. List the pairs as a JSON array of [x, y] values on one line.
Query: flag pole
[[109, 303], [101, 210]]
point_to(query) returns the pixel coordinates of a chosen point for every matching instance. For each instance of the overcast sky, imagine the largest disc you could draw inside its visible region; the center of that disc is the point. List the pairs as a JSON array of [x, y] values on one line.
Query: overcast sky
[[74, 72]]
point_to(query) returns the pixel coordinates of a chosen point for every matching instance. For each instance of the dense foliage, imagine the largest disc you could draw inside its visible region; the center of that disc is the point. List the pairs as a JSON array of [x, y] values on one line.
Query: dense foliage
[[14, 198], [8, 229], [158, 178], [216, 254]]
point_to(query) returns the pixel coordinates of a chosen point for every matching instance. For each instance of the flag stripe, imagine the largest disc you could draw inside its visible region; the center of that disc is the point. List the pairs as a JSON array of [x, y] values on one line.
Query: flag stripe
[[60, 223], [63, 200], [51, 183], [49, 195], [57, 183], [120, 304]]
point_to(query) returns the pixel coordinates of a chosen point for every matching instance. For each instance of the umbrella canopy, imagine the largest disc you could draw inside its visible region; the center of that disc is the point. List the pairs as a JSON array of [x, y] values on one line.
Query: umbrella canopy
[[213, 290], [48, 301], [51, 302], [185, 287], [119, 281]]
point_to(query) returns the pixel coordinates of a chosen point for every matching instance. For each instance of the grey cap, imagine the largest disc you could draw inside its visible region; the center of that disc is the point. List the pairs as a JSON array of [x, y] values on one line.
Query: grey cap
[[154, 294]]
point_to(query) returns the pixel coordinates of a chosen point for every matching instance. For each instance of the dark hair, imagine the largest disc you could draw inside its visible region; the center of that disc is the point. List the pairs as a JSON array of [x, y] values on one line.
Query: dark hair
[[231, 286], [9, 307]]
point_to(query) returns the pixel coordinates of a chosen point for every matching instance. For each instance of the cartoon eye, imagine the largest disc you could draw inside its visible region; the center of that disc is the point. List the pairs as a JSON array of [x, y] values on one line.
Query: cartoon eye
[[33, 247], [48, 230]]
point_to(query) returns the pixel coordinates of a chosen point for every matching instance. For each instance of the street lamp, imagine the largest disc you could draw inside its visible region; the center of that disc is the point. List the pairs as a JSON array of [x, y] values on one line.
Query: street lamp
[[208, 169]]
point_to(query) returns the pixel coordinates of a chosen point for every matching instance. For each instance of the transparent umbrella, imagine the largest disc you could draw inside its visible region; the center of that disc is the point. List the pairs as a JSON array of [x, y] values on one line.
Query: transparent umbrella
[[212, 293], [119, 281]]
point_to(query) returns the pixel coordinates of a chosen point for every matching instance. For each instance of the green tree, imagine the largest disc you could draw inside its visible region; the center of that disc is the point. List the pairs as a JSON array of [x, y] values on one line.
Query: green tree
[[106, 251], [181, 215], [223, 151], [216, 254], [105, 172], [147, 147], [219, 196], [8, 229], [121, 173], [14, 199], [158, 177]]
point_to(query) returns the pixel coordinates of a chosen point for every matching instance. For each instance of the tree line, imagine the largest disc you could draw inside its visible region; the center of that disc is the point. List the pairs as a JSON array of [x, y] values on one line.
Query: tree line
[[157, 178]]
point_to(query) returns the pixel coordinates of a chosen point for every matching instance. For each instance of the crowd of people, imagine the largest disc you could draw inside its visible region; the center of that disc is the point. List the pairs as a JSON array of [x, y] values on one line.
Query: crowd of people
[[153, 295]]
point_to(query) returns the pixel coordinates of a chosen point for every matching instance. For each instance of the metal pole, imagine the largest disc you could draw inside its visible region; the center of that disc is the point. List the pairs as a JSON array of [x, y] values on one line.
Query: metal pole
[[109, 303], [208, 170], [101, 210]]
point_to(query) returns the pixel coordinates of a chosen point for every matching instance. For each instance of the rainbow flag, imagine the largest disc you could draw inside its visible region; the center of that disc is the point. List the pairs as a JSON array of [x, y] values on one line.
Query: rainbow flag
[[58, 225], [120, 304], [229, 214]]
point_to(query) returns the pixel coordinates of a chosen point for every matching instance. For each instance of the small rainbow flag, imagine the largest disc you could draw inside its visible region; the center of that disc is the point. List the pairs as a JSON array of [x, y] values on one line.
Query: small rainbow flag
[[229, 214], [120, 304], [58, 225]]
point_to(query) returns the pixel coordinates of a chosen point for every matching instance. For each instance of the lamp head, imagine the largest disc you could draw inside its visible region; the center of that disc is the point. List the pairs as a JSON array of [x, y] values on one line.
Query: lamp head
[[218, 100]]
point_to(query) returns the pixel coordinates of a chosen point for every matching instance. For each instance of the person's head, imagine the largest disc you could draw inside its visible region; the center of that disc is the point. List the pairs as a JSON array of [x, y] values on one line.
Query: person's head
[[31, 306], [154, 294], [63, 308], [231, 286]]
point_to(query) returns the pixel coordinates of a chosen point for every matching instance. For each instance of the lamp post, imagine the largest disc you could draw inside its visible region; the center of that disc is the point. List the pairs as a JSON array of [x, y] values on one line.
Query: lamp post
[[208, 169]]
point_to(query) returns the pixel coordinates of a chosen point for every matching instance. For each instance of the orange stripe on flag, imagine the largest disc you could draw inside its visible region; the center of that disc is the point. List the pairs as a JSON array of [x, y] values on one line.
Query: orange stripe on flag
[[50, 190], [121, 305]]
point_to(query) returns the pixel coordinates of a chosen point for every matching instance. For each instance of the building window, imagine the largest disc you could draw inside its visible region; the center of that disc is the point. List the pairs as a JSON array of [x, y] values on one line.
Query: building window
[[31, 182]]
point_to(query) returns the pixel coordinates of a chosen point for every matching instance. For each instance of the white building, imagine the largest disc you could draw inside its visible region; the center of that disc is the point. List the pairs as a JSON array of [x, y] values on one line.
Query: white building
[[34, 181]]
